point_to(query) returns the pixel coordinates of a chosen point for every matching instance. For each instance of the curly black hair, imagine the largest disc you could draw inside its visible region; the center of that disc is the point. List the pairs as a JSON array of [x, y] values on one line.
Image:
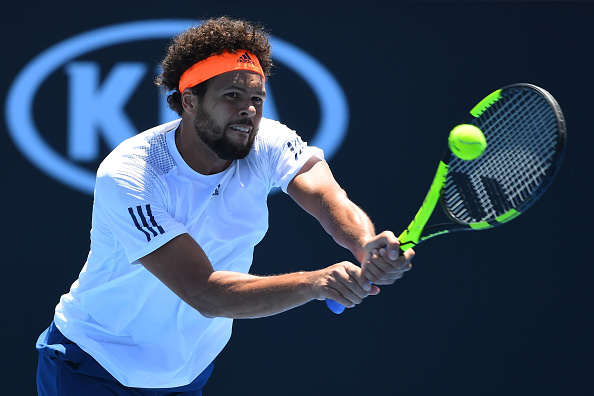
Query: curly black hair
[[212, 36]]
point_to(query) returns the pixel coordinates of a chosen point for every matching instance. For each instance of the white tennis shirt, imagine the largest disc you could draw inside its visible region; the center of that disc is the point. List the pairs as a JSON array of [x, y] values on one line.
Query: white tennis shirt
[[145, 195]]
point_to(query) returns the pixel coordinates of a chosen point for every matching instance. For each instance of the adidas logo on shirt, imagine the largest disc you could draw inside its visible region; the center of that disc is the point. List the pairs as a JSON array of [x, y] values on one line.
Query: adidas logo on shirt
[[143, 219], [245, 58]]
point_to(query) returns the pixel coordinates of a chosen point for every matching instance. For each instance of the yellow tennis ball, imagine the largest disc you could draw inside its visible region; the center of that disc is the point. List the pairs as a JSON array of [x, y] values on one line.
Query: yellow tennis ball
[[467, 142]]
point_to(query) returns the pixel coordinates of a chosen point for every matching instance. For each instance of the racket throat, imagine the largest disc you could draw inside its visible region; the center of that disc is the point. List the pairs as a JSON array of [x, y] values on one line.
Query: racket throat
[[412, 235]]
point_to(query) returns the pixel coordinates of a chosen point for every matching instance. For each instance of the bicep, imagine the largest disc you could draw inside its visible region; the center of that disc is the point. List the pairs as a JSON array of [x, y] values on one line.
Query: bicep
[[314, 187], [182, 266]]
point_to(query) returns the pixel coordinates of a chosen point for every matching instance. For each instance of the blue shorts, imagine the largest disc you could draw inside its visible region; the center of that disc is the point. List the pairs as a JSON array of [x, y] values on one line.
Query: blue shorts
[[66, 370]]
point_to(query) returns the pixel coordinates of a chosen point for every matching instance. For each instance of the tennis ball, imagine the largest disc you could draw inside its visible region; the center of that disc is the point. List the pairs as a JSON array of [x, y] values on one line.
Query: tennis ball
[[467, 142]]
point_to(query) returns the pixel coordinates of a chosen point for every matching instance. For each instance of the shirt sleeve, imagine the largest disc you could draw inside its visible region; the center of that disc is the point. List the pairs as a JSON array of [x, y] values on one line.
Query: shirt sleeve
[[131, 204], [285, 152]]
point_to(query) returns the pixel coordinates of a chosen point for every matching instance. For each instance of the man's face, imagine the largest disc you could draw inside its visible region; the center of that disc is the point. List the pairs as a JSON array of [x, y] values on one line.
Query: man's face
[[228, 118]]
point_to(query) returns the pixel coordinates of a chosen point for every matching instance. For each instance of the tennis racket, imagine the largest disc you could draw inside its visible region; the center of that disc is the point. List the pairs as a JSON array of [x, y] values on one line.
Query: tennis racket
[[525, 132]]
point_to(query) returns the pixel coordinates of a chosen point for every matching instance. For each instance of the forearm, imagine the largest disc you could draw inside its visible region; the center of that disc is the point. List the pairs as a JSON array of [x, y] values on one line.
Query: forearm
[[238, 295], [348, 224]]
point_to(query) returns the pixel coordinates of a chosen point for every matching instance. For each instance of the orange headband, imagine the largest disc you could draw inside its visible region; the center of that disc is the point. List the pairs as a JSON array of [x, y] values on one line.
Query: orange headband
[[219, 64]]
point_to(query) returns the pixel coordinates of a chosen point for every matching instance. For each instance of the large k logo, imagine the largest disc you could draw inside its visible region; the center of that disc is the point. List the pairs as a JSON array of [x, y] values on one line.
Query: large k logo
[[95, 108]]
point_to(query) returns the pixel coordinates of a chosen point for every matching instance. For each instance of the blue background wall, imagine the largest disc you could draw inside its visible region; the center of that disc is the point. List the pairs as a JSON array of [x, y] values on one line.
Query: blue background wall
[[506, 311]]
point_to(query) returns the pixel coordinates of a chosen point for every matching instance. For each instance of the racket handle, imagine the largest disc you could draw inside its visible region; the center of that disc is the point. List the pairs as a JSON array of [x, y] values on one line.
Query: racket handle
[[335, 307]]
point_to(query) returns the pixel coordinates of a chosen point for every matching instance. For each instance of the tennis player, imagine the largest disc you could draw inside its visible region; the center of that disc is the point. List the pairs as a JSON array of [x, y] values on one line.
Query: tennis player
[[178, 210]]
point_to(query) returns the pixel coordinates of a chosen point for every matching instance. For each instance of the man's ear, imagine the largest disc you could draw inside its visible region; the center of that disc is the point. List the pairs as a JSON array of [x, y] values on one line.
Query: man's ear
[[188, 103]]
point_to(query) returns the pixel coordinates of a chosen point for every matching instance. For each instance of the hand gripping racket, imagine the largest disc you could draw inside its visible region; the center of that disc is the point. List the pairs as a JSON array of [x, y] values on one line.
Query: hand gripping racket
[[525, 132]]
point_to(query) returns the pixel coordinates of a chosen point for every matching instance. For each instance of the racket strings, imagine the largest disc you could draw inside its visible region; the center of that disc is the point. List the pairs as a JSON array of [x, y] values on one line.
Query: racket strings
[[522, 136]]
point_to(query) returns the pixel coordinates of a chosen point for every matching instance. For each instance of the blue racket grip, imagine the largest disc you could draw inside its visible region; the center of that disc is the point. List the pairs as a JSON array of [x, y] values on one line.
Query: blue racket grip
[[335, 307]]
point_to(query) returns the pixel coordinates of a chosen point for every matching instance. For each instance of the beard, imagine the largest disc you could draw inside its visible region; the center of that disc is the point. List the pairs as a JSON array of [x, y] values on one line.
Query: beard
[[216, 139]]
